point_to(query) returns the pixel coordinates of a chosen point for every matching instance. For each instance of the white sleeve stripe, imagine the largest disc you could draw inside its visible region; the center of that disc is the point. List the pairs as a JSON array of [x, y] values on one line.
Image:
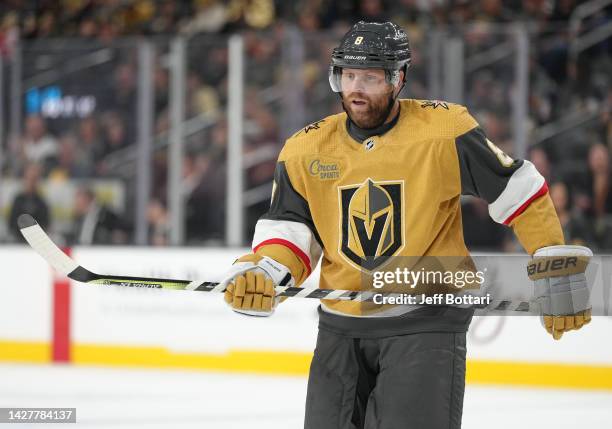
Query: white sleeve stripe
[[295, 233], [523, 185]]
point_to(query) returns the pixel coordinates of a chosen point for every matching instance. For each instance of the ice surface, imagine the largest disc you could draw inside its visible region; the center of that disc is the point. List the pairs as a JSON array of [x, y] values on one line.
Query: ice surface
[[139, 399]]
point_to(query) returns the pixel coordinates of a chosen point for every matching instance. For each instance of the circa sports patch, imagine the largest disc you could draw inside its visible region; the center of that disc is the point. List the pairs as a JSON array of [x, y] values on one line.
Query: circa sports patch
[[371, 222], [324, 169]]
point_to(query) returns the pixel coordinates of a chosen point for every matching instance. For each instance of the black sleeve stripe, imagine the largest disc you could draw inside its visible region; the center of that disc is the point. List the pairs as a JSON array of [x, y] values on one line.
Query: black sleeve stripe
[[482, 173], [287, 204]]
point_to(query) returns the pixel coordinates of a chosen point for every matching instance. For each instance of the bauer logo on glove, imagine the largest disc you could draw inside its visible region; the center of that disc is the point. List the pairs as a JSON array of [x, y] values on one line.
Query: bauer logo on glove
[[556, 266]]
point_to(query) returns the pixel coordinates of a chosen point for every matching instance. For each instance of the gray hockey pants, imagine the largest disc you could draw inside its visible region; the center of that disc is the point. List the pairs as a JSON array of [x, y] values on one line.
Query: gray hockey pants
[[413, 381]]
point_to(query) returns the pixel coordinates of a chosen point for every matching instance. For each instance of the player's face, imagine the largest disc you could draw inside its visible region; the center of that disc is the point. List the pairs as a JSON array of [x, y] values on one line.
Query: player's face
[[365, 96]]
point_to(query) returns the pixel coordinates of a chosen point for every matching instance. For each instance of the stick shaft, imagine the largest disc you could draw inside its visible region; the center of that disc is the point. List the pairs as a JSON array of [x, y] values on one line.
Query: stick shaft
[[44, 246]]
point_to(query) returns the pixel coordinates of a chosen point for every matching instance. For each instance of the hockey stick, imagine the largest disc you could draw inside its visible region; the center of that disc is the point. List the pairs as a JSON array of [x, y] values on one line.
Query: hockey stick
[[45, 247]]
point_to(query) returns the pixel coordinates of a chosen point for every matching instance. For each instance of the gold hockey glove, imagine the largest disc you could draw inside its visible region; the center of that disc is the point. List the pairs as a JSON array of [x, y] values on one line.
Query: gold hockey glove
[[250, 284]]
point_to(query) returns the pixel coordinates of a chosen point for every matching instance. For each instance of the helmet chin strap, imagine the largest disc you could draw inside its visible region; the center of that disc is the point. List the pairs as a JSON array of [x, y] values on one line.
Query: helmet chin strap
[[390, 105], [393, 98]]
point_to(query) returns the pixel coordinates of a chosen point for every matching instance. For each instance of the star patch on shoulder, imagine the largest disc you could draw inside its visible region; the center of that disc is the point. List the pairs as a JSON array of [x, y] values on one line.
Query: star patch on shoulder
[[434, 104], [313, 126]]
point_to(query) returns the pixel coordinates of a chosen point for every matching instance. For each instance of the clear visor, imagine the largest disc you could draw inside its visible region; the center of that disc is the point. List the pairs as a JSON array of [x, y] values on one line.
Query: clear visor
[[369, 81]]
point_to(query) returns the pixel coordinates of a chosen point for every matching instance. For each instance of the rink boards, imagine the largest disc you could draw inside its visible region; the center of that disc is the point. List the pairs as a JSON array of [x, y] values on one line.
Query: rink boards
[[42, 319]]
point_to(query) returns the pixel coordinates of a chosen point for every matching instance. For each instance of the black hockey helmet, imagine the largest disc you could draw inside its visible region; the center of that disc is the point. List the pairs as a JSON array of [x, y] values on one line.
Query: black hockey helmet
[[371, 45]]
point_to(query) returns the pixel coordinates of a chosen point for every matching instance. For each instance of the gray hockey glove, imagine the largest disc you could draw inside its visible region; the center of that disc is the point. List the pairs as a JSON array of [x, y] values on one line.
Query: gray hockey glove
[[561, 287]]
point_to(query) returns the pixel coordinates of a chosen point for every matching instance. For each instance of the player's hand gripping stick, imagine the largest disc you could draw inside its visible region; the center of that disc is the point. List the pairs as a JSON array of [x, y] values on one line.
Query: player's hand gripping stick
[[250, 284]]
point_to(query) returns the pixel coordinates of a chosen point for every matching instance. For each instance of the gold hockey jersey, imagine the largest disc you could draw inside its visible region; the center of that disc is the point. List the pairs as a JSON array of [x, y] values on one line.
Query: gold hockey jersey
[[398, 194]]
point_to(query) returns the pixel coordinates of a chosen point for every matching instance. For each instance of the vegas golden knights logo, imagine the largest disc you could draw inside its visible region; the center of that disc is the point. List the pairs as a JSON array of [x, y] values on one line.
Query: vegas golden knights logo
[[371, 222]]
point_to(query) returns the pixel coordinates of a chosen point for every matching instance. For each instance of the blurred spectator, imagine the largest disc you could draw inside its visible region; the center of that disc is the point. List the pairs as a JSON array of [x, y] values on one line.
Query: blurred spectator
[[67, 166], [214, 69], [462, 12], [114, 134], [90, 144], [9, 33], [160, 88], [203, 99], [29, 201], [159, 225], [250, 13], [601, 197], [372, 10], [205, 184], [37, 144], [94, 222], [493, 10], [260, 57], [88, 28], [540, 160], [536, 10], [563, 10], [542, 97], [123, 97], [260, 122], [47, 26], [261, 132], [576, 229], [308, 19], [209, 17], [409, 12], [168, 16], [599, 166]]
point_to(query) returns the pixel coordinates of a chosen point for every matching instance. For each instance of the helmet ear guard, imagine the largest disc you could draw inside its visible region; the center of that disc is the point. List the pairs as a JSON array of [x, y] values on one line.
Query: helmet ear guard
[[392, 76]]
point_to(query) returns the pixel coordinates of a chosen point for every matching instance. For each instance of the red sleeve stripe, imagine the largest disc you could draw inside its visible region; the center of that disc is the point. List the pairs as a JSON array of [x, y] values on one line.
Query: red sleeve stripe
[[542, 191], [296, 250]]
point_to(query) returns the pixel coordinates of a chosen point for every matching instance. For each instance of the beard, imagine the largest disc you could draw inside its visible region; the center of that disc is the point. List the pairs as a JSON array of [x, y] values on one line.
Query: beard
[[371, 114]]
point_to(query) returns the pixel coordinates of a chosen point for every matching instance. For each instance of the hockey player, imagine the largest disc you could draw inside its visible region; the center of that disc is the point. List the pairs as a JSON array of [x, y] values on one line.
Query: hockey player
[[384, 180]]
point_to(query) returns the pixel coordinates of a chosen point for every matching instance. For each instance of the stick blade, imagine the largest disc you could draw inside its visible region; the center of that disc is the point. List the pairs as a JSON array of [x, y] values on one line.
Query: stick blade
[[44, 246]]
